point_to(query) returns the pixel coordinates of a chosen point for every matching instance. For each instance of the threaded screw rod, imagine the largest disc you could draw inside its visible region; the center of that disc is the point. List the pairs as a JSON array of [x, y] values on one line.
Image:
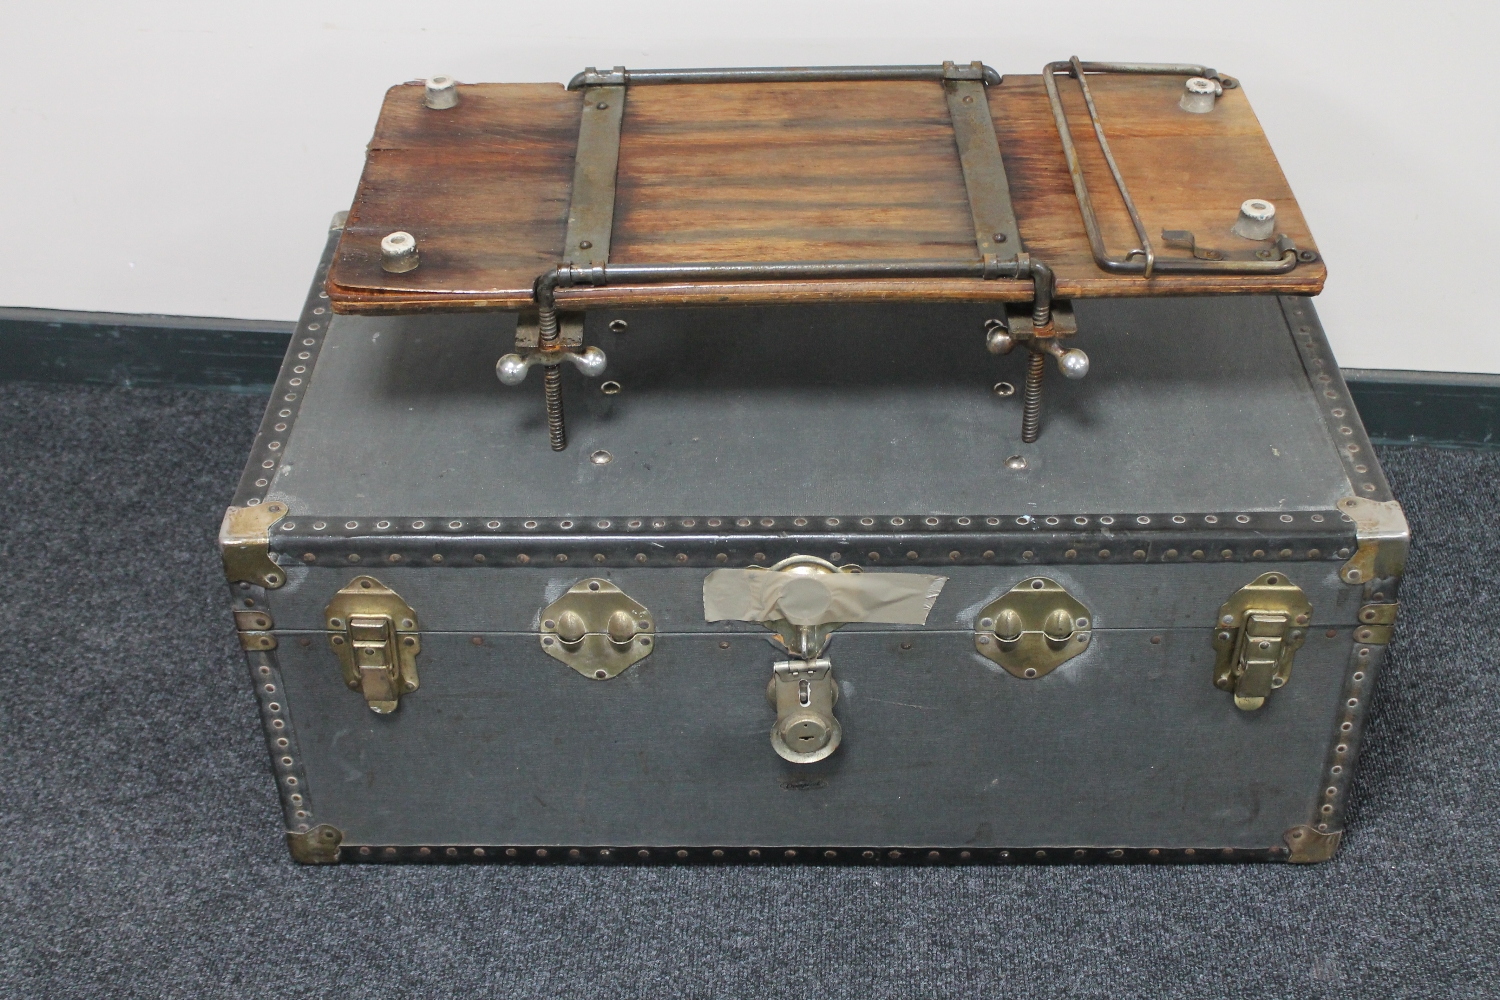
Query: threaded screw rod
[[547, 340], [1031, 411]]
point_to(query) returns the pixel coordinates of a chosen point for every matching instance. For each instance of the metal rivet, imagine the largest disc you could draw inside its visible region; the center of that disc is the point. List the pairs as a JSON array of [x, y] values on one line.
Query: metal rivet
[[601, 457], [1015, 463], [1003, 389]]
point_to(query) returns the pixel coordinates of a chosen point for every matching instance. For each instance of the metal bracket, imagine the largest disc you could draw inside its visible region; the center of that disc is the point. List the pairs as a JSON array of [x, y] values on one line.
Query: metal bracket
[[1183, 239], [1380, 526], [1142, 259], [375, 636], [803, 692], [1306, 845], [1257, 633], [245, 544], [318, 846], [1034, 628], [597, 629], [569, 330]]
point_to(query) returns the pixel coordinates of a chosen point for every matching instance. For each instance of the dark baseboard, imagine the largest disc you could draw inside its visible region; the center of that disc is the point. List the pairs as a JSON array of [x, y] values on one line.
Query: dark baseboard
[[48, 345], [1441, 409]]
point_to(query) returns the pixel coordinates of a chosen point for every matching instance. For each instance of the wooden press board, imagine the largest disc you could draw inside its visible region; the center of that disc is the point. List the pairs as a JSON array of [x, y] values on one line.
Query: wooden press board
[[797, 172]]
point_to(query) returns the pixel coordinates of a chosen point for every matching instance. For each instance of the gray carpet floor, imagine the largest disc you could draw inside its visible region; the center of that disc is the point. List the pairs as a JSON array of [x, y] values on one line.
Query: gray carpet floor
[[142, 851]]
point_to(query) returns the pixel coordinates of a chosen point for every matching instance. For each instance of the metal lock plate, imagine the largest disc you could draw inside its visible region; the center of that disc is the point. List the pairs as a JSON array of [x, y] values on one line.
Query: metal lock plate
[[374, 633], [803, 693], [597, 629], [1257, 632], [1034, 628]]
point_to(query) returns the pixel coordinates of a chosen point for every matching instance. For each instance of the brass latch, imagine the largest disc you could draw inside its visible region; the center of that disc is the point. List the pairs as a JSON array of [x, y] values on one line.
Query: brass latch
[[803, 692], [374, 633], [597, 629], [1034, 628], [1258, 631], [803, 599]]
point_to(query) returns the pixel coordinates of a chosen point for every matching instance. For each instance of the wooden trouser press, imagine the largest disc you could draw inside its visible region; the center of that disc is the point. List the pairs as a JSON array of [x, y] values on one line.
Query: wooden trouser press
[[763, 186]]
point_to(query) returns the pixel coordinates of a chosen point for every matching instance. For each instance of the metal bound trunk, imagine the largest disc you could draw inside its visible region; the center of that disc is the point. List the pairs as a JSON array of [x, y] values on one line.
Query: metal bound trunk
[[1151, 634]]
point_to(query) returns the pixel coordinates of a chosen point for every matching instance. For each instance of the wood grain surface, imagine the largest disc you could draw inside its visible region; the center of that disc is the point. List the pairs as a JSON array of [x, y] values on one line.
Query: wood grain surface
[[797, 171]]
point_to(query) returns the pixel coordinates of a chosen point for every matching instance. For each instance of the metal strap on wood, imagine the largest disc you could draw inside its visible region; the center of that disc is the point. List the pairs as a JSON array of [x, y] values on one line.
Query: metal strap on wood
[[995, 230], [591, 213]]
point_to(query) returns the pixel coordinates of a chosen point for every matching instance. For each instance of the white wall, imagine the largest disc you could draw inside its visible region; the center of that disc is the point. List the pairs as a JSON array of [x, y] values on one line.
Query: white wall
[[184, 157]]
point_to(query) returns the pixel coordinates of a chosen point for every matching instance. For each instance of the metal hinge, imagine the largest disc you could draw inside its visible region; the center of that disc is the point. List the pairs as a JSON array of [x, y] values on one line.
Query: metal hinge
[[597, 629], [374, 634], [803, 692], [254, 629], [1257, 633], [1034, 628], [1375, 624]]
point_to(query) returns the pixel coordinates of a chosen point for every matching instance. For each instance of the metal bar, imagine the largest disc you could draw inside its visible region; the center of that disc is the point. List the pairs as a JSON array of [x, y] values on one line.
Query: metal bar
[[1140, 260], [621, 76], [1154, 69], [789, 271], [591, 213], [995, 230], [1114, 168]]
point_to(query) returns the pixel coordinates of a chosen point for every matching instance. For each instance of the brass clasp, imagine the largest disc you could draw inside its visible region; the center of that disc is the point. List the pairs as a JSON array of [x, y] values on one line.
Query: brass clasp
[[1033, 629], [1257, 632], [374, 634]]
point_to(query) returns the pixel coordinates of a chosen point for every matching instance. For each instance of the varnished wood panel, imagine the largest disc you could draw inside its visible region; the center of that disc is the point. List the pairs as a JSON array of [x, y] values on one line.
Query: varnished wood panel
[[825, 171]]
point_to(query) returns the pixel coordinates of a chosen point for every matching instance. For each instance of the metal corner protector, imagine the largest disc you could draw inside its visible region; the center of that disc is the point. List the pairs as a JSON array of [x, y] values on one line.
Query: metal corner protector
[[245, 544], [1306, 845], [1380, 526], [318, 846]]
